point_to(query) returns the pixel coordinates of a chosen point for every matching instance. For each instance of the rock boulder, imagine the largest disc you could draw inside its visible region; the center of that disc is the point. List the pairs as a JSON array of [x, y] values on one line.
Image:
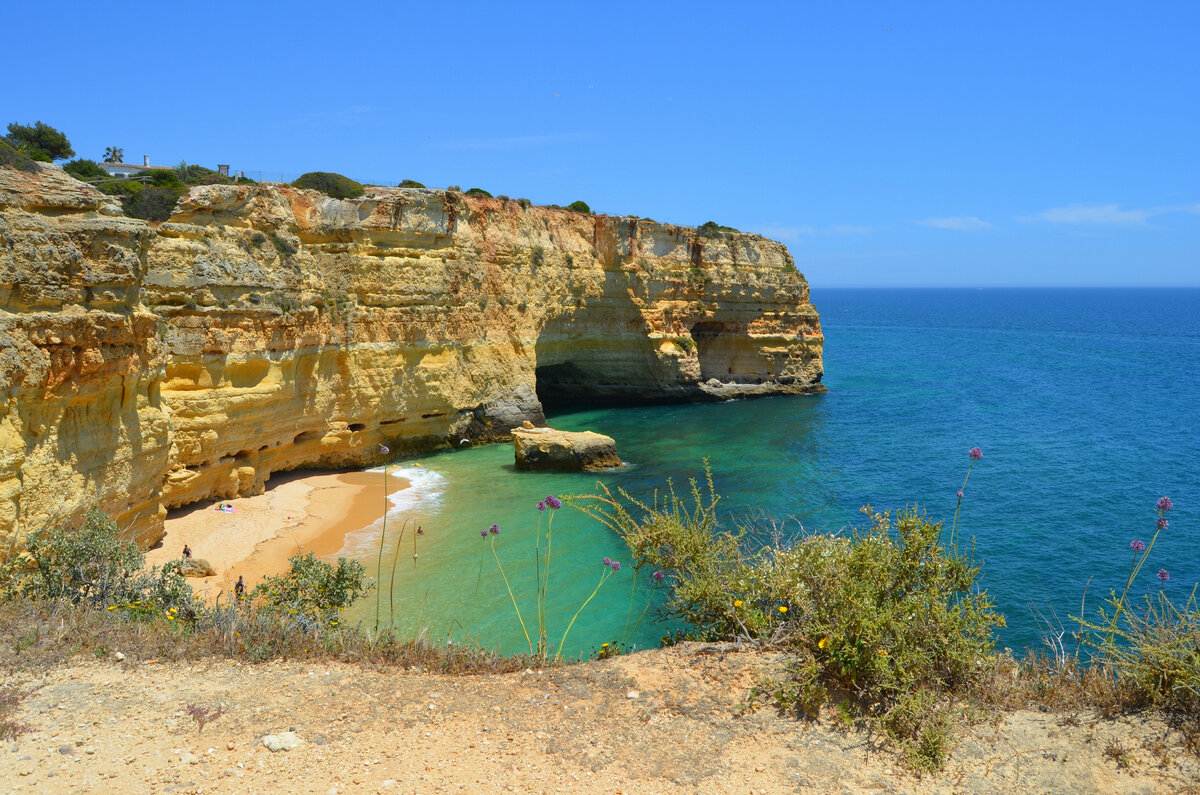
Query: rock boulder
[[547, 448]]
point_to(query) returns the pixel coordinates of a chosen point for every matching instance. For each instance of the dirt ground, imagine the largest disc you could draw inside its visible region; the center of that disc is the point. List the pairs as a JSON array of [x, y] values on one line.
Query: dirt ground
[[670, 720]]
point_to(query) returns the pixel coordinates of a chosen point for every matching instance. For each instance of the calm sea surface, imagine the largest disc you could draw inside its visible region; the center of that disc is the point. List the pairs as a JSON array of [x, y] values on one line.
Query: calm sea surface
[[1086, 404]]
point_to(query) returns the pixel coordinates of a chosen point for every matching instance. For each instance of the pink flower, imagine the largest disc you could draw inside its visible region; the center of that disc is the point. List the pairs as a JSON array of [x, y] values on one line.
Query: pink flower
[[1163, 575], [1137, 546], [960, 494], [1162, 523], [1164, 504], [975, 453]]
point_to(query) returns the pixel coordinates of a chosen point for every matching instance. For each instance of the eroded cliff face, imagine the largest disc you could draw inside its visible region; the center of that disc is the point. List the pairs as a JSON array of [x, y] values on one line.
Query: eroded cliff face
[[264, 328]]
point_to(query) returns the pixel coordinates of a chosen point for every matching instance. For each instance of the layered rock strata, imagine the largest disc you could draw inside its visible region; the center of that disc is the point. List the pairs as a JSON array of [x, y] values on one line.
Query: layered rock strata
[[264, 328]]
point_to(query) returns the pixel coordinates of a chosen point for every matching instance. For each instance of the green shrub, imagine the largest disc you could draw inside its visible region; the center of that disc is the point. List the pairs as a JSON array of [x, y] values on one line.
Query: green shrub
[[85, 170], [314, 588], [283, 246], [410, 183], [479, 192], [154, 203], [886, 618], [334, 185], [713, 229], [525, 203], [192, 174], [579, 207], [12, 157], [92, 564], [453, 189], [40, 141]]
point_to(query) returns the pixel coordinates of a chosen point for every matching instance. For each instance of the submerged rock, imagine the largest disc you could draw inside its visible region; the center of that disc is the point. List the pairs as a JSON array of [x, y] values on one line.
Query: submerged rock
[[547, 448]]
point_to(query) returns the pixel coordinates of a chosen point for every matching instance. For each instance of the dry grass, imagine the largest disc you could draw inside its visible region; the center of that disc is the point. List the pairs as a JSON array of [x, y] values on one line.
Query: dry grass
[[40, 634]]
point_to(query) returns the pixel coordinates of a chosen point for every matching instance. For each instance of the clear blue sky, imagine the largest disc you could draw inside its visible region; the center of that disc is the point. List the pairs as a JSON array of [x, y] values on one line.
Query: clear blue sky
[[933, 143]]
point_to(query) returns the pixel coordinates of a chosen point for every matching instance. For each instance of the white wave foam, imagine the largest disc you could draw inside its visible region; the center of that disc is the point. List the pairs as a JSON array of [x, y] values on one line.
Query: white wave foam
[[422, 498]]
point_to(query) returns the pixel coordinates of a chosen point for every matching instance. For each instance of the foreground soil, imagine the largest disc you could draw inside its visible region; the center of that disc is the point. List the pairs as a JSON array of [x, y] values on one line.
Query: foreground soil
[[671, 720]]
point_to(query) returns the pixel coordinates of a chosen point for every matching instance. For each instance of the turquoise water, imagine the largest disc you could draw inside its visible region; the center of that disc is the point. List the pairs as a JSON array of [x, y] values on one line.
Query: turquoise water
[[1086, 404]]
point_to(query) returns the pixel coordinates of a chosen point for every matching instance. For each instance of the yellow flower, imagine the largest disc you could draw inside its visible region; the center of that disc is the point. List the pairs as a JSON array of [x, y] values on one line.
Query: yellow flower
[[170, 618], [112, 607], [737, 602], [783, 608], [604, 645], [824, 642], [883, 652], [333, 623]]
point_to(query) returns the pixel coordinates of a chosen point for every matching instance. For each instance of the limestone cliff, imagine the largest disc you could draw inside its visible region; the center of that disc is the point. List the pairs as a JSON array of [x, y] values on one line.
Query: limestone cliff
[[264, 328]]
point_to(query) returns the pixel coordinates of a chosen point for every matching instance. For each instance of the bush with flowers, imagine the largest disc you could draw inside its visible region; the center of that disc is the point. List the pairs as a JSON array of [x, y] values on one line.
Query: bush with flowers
[[885, 622]]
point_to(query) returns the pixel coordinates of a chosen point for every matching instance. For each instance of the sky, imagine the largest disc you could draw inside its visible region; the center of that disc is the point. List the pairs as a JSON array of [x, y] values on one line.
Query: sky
[[886, 143]]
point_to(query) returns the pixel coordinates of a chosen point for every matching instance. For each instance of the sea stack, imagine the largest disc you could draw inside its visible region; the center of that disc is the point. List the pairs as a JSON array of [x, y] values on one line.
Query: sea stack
[[564, 451]]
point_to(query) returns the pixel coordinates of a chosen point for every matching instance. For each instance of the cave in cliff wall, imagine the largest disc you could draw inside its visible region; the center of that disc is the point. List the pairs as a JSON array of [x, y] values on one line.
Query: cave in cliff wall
[[264, 328]]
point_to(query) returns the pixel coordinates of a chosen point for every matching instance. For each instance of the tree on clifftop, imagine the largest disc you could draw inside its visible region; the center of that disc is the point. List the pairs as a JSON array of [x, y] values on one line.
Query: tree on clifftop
[[114, 154], [41, 141]]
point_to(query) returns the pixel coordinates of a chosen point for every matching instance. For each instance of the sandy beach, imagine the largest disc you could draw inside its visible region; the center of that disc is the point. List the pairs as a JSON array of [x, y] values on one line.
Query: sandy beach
[[298, 511]]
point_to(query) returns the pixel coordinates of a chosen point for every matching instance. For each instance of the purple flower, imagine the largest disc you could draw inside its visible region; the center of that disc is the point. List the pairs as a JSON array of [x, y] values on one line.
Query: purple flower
[[1164, 504], [494, 529], [960, 494], [616, 566], [975, 453], [1137, 546], [542, 505], [1162, 523], [383, 449], [607, 561], [658, 575], [1163, 575], [553, 502], [483, 533]]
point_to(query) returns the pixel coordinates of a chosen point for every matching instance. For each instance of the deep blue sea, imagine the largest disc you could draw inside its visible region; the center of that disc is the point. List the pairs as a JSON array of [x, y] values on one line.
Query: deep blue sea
[[1085, 402]]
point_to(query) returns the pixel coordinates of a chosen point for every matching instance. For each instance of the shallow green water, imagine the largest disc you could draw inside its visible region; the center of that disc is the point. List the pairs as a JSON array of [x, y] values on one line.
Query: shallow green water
[[1084, 402]]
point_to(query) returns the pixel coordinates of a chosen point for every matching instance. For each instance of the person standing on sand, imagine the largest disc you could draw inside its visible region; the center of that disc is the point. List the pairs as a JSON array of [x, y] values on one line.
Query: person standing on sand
[[187, 552], [239, 590]]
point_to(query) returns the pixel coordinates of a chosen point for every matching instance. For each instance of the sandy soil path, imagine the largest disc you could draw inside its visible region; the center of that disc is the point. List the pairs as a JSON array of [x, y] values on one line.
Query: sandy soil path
[[663, 721]]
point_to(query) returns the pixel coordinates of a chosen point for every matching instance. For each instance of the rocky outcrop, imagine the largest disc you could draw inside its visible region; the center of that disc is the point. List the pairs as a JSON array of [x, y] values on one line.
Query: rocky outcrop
[[571, 451], [264, 328], [196, 567]]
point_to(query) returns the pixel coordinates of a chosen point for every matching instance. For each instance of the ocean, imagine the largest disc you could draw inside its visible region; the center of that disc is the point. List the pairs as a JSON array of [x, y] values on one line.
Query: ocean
[[1085, 402]]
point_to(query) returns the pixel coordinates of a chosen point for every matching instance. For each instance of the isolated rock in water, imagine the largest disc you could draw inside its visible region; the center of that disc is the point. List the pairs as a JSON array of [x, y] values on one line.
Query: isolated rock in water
[[547, 448], [284, 741], [197, 567]]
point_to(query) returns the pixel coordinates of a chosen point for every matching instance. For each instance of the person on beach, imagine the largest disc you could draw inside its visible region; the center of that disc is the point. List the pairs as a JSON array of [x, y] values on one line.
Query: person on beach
[[239, 590], [187, 552]]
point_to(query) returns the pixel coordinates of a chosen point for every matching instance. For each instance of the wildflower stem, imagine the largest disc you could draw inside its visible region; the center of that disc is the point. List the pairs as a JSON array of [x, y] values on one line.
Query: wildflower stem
[[510, 596], [392, 584], [382, 536], [958, 507], [629, 610], [1133, 573], [545, 585], [561, 644]]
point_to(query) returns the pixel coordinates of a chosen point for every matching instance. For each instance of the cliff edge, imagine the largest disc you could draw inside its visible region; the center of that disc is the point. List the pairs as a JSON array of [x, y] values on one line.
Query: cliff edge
[[264, 328]]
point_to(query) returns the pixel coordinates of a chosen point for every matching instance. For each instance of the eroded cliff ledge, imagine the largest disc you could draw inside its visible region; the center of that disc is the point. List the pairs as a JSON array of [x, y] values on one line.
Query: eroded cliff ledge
[[264, 328]]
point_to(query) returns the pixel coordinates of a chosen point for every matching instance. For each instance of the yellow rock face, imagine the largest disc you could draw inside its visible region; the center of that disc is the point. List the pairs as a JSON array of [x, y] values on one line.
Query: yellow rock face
[[264, 328]]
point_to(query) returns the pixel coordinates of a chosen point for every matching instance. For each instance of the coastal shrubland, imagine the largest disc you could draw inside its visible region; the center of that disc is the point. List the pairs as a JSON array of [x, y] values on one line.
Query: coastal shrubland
[[885, 626], [85, 590], [336, 186], [882, 626]]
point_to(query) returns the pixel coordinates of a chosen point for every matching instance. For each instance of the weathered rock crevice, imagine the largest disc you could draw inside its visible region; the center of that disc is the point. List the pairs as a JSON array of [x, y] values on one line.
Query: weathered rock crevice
[[264, 328]]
